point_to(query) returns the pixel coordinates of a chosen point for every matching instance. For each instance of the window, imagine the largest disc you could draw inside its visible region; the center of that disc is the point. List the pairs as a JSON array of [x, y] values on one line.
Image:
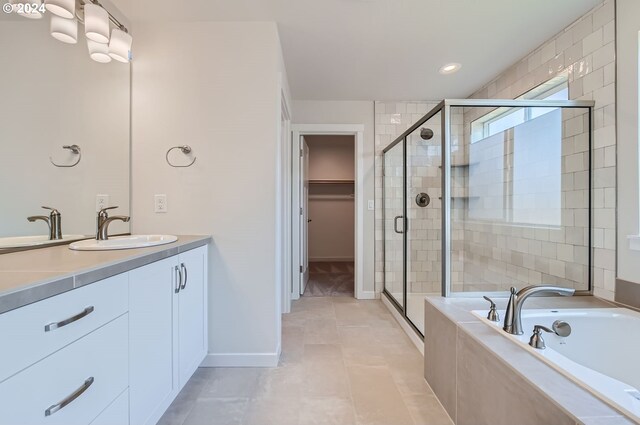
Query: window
[[503, 119], [516, 154]]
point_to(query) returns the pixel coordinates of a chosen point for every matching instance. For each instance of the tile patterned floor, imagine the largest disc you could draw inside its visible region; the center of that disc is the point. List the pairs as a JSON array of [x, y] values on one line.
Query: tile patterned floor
[[330, 279], [344, 362]]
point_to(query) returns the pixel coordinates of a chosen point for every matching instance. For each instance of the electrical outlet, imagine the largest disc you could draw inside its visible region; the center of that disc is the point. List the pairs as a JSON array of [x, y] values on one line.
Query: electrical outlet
[[102, 201], [371, 205], [160, 205]]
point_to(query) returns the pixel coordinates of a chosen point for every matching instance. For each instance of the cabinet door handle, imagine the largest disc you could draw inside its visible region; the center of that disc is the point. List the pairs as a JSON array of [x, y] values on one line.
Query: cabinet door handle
[[53, 326], [77, 393], [178, 279], [186, 276]]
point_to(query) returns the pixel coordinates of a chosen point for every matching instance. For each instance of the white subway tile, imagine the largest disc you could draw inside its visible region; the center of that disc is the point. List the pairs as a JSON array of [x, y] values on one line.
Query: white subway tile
[[605, 55], [593, 81], [604, 14], [592, 42], [582, 28], [548, 51], [605, 96], [564, 41], [609, 32]]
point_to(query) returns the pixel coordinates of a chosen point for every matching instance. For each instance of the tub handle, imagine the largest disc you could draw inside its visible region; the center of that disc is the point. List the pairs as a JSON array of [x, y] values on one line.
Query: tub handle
[[536, 340], [493, 312]]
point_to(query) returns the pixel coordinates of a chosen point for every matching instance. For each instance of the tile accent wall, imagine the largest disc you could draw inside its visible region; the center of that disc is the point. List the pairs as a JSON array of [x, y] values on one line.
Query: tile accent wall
[[586, 52], [393, 119]]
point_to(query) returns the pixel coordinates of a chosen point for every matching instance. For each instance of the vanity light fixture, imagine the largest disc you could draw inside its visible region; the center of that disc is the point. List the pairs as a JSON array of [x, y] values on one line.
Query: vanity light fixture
[[65, 15], [31, 9], [99, 52], [450, 68], [65, 30], [120, 45], [62, 8], [96, 23]]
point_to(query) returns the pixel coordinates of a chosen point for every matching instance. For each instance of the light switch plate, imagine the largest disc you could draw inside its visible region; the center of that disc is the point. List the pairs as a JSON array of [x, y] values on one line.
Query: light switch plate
[[371, 205], [160, 204], [102, 201]]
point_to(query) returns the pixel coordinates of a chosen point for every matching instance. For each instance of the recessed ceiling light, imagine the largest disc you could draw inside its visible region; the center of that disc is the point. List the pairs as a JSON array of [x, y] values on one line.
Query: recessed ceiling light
[[450, 68]]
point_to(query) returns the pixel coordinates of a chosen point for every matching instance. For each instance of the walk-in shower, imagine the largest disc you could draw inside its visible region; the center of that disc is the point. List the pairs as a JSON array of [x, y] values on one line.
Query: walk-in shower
[[498, 196]]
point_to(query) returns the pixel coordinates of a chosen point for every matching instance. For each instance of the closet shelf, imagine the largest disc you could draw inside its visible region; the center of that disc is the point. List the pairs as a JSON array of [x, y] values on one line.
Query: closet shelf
[[331, 181], [462, 165]]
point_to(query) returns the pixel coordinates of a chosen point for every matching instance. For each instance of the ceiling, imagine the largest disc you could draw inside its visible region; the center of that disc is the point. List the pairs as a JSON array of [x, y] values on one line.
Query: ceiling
[[386, 49]]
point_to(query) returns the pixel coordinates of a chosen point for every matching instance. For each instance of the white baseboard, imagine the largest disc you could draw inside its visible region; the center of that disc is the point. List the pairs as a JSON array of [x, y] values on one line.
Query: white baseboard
[[241, 360], [368, 295], [404, 325], [331, 259]]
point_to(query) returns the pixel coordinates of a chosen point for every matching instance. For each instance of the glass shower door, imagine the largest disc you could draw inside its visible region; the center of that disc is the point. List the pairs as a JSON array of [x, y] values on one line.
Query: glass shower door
[[424, 218], [394, 223]]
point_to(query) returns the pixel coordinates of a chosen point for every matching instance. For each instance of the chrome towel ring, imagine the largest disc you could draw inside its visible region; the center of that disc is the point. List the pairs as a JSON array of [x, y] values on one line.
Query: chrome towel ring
[[75, 149], [186, 149]]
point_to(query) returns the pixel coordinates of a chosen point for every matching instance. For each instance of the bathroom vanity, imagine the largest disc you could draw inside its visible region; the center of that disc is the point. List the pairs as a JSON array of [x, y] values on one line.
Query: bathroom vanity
[[114, 335]]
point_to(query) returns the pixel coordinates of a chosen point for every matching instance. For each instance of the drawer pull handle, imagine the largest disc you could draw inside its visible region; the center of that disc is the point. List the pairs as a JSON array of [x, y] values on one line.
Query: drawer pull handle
[[178, 279], [77, 393], [53, 326], [186, 276]]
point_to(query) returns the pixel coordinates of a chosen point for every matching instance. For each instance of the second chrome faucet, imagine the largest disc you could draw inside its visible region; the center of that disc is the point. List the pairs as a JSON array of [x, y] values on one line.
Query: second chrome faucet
[[103, 221], [54, 221]]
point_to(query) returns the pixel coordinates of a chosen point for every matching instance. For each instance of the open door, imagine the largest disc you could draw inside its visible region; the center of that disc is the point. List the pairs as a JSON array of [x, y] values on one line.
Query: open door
[[304, 219]]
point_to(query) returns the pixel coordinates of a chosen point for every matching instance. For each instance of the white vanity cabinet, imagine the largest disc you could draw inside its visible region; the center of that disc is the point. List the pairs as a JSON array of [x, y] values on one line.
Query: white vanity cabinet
[[65, 359], [168, 333], [114, 352]]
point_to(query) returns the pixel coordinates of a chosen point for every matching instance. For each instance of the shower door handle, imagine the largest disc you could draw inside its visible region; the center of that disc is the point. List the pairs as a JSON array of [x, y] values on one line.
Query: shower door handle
[[395, 224]]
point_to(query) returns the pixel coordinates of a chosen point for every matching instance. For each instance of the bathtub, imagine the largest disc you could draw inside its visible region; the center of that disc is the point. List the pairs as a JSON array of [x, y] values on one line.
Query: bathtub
[[602, 354]]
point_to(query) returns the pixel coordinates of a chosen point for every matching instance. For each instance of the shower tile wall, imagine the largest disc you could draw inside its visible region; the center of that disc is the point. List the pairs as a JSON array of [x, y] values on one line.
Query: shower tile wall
[[586, 50], [424, 175], [500, 254], [392, 119]]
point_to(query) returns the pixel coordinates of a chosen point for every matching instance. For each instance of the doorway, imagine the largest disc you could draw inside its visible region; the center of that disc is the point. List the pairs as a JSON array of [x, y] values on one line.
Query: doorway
[[329, 169], [327, 196]]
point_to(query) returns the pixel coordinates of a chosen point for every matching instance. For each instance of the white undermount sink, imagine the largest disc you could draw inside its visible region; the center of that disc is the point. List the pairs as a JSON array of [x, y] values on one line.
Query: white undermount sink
[[123, 242], [39, 240]]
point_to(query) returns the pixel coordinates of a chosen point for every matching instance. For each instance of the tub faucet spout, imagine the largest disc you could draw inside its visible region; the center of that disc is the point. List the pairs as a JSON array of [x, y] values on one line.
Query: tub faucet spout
[[513, 315]]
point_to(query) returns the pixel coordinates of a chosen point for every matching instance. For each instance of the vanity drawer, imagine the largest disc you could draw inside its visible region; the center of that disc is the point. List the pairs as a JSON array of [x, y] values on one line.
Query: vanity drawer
[[25, 337], [117, 413], [88, 374]]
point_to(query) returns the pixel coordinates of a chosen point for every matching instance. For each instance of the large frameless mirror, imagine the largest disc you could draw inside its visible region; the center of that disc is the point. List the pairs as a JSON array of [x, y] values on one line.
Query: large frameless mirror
[[64, 134]]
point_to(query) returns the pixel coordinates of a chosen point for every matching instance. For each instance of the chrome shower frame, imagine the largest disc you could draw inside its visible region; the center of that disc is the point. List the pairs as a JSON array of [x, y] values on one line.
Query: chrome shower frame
[[444, 107]]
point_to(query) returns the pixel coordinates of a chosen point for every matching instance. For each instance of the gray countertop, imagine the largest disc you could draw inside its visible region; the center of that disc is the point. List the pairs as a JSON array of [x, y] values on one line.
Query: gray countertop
[[30, 276]]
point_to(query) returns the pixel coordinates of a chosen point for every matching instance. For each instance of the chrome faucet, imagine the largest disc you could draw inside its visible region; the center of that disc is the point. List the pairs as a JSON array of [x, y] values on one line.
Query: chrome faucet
[[102, 233], [513, 315], [54, 221]]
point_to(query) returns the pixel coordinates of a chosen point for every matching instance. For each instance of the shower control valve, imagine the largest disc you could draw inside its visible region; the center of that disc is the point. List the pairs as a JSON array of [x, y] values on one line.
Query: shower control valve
[[422, 199]]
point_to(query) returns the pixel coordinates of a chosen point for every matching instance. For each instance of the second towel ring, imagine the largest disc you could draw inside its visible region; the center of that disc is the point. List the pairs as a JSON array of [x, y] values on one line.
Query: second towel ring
[[185, 149], [75, 149]]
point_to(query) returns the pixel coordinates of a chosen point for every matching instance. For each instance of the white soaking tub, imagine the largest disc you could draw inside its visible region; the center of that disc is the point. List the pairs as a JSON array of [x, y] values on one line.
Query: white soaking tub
[[602, 354]]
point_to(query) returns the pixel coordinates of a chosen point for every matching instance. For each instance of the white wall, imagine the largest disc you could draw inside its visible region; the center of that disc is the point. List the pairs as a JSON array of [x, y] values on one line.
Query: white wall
[[216, 87], [627, 126], [331, 206], [349, 112]]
